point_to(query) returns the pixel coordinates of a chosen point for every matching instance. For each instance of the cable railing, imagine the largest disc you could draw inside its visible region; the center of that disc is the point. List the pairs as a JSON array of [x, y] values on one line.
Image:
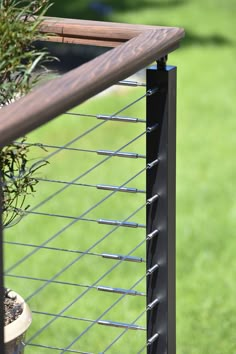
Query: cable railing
[[94, 254]]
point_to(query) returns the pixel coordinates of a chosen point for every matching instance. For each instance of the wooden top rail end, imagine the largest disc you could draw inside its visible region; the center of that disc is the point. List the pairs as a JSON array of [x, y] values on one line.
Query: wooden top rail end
[[136, 47]]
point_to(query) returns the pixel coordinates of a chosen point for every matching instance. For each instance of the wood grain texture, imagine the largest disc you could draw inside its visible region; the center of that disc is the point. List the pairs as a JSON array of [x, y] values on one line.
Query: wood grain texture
[[63, 93], [108, 34], [106, 42]]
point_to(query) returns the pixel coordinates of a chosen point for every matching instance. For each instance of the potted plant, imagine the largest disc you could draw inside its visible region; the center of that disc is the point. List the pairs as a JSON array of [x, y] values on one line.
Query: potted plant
[[21, 67]]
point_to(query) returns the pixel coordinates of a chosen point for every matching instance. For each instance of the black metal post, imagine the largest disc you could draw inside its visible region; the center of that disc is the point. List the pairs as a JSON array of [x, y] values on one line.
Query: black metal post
[[2, 350], [160, 179]]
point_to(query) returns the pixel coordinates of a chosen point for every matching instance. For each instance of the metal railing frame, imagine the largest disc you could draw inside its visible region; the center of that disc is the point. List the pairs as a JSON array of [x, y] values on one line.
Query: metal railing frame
[[160, 214], [136, 46]]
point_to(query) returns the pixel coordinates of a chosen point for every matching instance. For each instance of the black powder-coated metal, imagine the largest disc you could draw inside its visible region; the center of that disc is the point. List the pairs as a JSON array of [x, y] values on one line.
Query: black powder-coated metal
[[160, 179]]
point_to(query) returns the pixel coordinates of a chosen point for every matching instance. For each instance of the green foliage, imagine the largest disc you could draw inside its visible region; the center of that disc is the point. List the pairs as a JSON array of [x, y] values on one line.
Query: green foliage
[[17, 179], [19, 28], [206, 209], [21, 67]]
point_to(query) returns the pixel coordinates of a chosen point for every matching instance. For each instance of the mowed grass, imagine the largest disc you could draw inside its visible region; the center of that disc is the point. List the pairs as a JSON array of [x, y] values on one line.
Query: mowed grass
[[206, 206], [206, 209], [82, 271]]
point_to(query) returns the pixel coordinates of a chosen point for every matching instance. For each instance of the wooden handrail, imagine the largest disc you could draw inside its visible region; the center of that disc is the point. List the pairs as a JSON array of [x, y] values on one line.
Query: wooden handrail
[[106, 34], [61, 94]]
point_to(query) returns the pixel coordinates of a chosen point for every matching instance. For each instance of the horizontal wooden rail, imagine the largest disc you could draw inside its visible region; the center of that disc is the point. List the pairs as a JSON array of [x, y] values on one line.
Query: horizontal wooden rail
[[61, 94], [106, 34]]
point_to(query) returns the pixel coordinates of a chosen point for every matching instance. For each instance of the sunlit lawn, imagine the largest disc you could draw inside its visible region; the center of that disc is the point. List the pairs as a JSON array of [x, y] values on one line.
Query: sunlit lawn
[[206, 210], [85, 235]]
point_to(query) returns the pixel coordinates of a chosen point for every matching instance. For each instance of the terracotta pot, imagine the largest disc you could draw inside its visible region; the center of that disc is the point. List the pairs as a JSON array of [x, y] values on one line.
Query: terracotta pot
[[14, 333]]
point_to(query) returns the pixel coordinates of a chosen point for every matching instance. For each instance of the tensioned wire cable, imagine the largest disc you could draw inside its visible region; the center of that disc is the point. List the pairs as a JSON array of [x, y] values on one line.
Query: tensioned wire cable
[[64, 282], [141, 350], [97, 186], [117, 226], [57, 147], [61, 148], [131, 83], [93, 151], [136, 225], [104, 116], [71, 223], [122, 333], [109, 118], [85, 320], [77, 138], [79, 257], [78, 298], [51, 281], [148, 93], [59, 249], [85, 173], [62, 316], [102, 315], [74, 181], [56, 348], [82, 319], [66, 182], [77, 178], [81, 295]]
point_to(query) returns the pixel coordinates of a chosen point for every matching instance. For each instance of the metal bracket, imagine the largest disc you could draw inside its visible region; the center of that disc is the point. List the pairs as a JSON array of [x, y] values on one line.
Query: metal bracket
[[161, 63]]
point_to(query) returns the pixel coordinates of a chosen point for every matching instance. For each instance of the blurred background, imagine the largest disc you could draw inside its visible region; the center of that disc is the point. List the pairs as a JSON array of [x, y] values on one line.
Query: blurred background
[[206, 173]]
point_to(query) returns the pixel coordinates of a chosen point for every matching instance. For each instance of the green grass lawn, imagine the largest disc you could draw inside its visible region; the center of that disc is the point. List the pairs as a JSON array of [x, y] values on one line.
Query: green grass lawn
[[206, 209], [88, 270]]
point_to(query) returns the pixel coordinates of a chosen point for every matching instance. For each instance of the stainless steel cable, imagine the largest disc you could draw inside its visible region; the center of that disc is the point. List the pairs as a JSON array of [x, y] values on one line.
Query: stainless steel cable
[[57, 348], [50, 146], [58, 282], [77, 138], [51, 281], [131, 83], [141, 350], [93, 151], [53, 237], [85, 291], [59, 249], [115, 118], [99, 221], [67, 183], [62, 316], [97, 186], [102, 315], [47, 281], [148, 93], [84, 174], [151, 340], [79, 257], [122, 333]]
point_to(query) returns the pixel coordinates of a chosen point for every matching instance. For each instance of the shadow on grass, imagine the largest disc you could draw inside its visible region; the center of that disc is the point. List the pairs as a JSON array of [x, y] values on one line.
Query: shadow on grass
[[213, 39], [71, 55], [102, 9]]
